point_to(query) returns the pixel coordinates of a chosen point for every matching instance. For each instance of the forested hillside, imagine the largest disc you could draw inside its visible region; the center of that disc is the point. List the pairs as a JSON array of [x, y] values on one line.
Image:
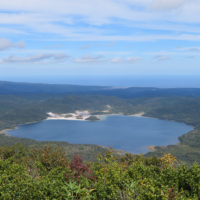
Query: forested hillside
[[187, 111], [16, 110]]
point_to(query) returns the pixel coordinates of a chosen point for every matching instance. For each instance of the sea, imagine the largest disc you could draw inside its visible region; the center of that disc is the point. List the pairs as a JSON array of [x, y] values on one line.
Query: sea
[[160, 81], [127, 133]]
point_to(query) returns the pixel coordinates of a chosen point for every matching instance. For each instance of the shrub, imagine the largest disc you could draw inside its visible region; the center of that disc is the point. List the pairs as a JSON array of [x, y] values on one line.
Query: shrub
[[46, 173]]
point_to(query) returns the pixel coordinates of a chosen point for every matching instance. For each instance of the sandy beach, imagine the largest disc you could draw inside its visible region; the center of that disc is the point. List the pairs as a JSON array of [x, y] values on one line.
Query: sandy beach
[[151, 148], [78, 115], [138, 114], [81, 115]]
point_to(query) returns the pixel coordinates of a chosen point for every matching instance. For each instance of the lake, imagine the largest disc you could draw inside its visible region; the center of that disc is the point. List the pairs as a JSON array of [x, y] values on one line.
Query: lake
[[128, 133]]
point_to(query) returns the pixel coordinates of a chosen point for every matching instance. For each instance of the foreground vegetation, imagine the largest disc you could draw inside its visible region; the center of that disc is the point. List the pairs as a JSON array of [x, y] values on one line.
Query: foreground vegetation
[[87, 151], [46, 173]]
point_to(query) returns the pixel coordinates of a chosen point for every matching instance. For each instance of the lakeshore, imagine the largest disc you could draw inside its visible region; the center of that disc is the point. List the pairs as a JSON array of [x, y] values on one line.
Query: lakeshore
[[82, 116], [86, 114], [131, 134]]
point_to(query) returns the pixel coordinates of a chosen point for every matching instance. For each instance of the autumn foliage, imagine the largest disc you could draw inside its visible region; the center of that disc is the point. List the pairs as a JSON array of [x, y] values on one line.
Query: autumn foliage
[[46, 173]]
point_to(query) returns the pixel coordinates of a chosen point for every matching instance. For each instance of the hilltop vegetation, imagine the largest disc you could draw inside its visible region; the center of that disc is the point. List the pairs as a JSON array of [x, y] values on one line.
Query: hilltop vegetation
[[46, 173]]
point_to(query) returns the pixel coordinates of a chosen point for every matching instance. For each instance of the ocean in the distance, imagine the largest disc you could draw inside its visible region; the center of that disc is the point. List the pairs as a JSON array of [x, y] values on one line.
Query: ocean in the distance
[[161, 81], [127, 133]]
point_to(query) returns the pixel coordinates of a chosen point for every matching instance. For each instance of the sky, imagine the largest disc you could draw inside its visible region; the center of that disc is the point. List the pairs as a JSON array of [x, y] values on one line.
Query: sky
[[99, 37]]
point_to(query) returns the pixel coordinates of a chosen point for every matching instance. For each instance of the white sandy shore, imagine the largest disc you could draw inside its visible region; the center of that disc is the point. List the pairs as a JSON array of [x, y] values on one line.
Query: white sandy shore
[[78, 115], [138, 114], [81, 115]]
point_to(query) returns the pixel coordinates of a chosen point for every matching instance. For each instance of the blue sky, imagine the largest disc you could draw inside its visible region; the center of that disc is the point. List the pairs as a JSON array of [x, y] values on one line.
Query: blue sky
[[99, 37]]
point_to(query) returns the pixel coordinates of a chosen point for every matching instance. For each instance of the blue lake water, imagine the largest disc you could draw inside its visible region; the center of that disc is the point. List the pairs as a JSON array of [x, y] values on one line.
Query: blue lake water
[[127, 133]]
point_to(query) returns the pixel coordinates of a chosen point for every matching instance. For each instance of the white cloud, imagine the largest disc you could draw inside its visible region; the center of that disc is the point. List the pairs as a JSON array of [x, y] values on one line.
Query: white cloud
[[117, 60], [11, 31], [189, 57], [125, 60], [133, 59], [161, 58], [110, 44], [101, 58], [188, 49], [114, 52], [86, 46], [136, 38], [54, 17], [60, 56], [167, 4], [38, 58], [57, 46], [167, 26], [36, 51], [90, 59], [173, 53], [7, 44]]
